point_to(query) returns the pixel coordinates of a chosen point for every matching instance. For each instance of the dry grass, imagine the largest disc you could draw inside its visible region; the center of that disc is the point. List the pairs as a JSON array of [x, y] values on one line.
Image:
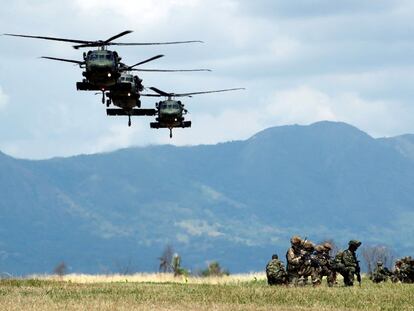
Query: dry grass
[[153, 278], [163, 292]]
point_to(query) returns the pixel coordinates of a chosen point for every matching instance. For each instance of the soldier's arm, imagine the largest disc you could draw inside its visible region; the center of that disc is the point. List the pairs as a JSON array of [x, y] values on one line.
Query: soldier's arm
[[292, 258]]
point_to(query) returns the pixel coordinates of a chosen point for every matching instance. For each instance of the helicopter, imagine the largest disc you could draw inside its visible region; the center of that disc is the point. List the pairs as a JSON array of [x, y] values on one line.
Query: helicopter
[[170, 112], [127, 98], [102, 66]]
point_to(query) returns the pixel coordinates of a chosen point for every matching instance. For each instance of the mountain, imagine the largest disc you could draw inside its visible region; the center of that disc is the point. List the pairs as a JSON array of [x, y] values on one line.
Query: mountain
[[235, 202]]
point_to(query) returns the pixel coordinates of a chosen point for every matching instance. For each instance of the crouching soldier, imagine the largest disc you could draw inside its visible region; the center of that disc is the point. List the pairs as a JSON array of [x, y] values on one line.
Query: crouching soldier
[[308, 264], [347, 265], [381, 273], [293, 259], [325, 266], [275, 272]]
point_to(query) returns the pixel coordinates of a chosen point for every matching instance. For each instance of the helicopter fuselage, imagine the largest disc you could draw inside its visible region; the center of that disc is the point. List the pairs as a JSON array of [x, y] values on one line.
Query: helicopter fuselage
[[101, 68], [126, 92], [170, 113]]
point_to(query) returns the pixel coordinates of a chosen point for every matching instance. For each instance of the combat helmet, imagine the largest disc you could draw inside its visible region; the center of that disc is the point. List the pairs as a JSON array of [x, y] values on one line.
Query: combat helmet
[[327, 246], [355, 243], [319, 248], [296, 240], [308, 245]]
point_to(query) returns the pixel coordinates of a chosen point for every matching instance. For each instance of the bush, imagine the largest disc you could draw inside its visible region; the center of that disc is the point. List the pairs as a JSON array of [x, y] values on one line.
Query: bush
[[214, 269]]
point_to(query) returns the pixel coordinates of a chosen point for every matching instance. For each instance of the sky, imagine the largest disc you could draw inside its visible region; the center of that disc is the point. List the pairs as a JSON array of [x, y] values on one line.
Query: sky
[[300, 61]]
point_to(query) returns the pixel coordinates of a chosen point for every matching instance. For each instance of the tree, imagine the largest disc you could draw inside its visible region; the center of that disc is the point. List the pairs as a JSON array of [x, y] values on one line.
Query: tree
[[176, 266], [373, 254], [166, 259], [214, 269], [60, 269], [125, 268]]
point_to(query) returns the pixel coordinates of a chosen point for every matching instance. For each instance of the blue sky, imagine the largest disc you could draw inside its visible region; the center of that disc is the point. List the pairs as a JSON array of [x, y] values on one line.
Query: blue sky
[[301, 62]]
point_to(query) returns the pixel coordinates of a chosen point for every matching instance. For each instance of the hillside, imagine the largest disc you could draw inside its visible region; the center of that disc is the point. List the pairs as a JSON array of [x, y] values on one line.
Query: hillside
[[235, 202]]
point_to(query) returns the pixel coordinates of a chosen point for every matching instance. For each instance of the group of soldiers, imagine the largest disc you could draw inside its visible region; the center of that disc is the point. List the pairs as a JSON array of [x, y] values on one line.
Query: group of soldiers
[[403, 271], [306, 260]]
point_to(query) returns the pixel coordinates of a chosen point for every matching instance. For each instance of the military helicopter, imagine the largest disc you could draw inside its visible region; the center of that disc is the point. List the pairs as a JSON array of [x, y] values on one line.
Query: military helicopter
[[170, 112], [102, 67], [127, 98]]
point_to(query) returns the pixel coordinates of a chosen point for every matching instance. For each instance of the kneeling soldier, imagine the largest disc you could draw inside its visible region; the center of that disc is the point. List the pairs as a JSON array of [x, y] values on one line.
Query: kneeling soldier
[[381, 273], [275, 272]]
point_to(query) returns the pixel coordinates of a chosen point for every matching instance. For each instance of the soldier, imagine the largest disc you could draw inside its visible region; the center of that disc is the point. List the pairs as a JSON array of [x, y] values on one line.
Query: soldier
[[307, 264], [381, 273], [347, 264], [293, 259], [397, 277], [275, 271], [407, 270], [325, 267]]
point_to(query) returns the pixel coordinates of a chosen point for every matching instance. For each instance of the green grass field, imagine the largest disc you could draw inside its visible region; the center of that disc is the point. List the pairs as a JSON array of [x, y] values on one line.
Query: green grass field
[[237, 294]]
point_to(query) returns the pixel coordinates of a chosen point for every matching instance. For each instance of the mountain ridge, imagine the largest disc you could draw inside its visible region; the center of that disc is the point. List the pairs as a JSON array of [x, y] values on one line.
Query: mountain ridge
[[236, 202]]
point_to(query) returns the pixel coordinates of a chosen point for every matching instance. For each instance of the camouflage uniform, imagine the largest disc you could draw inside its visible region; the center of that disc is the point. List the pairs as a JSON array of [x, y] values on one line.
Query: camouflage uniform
[[308, 264], [275, 272], [397, 277], [347, 264], [293, 259], [406, 270], [381, 273], [324, 265]]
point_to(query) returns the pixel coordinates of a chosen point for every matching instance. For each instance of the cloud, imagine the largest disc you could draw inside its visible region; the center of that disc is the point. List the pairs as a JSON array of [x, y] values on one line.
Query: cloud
[[199, 228], [4, 99], [348, 61], [115, 137], [304, 9], [306, 105]]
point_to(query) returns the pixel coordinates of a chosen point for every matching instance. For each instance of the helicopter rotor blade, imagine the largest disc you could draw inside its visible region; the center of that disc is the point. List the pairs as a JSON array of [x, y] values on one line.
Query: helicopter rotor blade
[[64, 60], [99, 43], [146, 61], [206, 92], [117, 36], [162, 93], [155, 43], [150, 95], [170, 70], [48, 38]]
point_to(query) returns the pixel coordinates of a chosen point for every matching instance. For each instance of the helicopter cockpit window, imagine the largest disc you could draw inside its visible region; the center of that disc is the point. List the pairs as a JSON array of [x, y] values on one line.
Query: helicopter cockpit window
[[93, 56], [109, 56]]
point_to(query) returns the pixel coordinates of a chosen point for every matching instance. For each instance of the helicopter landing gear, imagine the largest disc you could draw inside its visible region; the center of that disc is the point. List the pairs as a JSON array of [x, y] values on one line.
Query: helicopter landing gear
[[170, 131], [129, 120], [103, 97], [108, 102]]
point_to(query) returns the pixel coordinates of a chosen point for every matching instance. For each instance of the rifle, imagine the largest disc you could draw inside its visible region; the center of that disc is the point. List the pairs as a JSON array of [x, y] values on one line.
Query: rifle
[[308, 257], [358, 273]]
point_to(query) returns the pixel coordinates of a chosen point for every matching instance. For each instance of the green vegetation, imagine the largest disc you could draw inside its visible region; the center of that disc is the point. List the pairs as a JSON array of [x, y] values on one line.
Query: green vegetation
[[214, 269], [253, 295]]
